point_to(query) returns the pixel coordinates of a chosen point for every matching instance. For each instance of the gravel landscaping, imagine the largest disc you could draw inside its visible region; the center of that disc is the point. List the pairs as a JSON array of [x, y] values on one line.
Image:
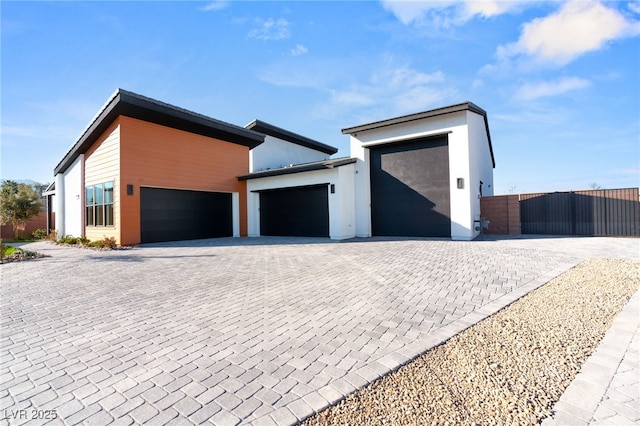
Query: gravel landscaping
[[508, 369]]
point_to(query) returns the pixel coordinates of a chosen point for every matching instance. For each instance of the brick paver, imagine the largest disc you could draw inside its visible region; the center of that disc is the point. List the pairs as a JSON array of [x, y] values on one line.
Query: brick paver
[[263, 331]]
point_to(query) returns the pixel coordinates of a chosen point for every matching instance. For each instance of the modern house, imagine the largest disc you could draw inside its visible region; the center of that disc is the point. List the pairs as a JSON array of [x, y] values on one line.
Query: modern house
[[145, 171], [418, 175]]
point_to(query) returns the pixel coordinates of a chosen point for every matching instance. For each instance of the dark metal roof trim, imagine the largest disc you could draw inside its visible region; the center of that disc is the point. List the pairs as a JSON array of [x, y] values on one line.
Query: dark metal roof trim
[[132, 105], [465, 106], [299, 168], [278, 132]]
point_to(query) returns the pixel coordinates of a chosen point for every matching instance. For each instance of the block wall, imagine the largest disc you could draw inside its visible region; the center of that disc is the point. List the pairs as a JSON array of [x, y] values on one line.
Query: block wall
[[503, 213]]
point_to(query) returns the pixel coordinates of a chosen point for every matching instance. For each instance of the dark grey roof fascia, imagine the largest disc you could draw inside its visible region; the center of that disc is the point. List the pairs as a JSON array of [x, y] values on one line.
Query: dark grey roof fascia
[[299, 168], [278, 132], [465, 106], [132, 105]]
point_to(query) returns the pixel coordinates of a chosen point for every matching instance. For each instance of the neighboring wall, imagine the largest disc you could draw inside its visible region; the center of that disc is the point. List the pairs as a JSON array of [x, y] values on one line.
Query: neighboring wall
[[275, 153], [157, 156], [503, 213], [25, 229]]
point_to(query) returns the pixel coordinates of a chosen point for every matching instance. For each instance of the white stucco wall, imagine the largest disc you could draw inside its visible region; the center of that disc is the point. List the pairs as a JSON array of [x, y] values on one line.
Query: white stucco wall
[[341, 203], [235, 213], [69, 200], [362, 188], [274, 153], [481, 166]]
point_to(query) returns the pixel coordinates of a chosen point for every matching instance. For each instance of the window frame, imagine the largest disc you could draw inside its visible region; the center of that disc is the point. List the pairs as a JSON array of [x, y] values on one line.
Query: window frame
[[99, 207]]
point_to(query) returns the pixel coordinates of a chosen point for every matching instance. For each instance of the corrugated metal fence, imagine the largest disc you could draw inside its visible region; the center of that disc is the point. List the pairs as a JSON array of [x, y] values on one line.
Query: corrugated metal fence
[[613, 212]]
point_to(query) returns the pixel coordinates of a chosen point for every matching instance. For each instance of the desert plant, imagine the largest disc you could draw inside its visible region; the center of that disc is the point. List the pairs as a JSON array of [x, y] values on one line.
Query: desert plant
[[109, 242], [40, 234], [68, 239], [106, 243]]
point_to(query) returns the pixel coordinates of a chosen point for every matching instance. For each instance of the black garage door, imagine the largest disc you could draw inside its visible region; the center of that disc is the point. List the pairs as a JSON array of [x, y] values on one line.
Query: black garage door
[[172, 215], [301, 211], [410, 189]]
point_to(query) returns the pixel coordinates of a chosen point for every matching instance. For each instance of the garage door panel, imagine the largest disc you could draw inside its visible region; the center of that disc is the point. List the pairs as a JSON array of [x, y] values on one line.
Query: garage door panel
[[410, 189], [298, 211], [172, 215]]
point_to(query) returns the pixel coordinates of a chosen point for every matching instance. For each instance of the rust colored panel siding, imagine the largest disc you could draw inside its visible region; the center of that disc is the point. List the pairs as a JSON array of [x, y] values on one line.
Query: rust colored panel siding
[[102, 164], [503, 213], [158, 156]]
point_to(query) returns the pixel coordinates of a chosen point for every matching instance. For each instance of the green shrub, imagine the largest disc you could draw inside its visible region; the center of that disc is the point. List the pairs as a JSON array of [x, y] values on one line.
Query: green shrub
[[106, 243], [68, 239], [6, 250], [40, 234]]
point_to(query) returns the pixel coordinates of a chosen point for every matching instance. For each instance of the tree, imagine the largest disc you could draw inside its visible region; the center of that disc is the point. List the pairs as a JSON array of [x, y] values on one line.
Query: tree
[[19, 202], [595, 186]]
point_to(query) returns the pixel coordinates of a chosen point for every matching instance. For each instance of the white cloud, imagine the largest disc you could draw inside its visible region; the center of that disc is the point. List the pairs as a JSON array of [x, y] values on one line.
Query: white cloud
[[531, 91], [580, 26], [272, 30], [444, 13], [382, 91], [633, 171], [299, 50], [398, 90], [215, 5]]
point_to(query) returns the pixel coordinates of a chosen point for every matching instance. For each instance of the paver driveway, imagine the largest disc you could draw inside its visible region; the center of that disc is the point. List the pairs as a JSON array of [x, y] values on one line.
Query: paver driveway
[[262, 331]]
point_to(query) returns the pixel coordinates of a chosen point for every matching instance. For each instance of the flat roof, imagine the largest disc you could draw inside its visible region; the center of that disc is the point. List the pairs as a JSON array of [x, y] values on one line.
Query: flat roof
[[133, 105], [465, 106], [278, 132], [299, 168]]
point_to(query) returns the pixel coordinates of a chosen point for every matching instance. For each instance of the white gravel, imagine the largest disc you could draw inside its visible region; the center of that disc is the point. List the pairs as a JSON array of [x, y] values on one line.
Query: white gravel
[[506, 370]]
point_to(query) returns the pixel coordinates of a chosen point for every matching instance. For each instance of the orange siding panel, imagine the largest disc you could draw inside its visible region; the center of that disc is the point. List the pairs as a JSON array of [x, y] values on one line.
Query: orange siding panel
[[157, 156]]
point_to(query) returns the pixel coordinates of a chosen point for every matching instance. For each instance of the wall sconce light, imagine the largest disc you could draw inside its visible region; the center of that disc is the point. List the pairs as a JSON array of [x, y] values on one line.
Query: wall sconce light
[[332, 188], [129, 189], [460, 183]]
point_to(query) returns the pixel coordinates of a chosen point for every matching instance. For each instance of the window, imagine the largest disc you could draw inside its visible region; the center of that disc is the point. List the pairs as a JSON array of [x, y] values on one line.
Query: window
[[89, 206], [99, 204]]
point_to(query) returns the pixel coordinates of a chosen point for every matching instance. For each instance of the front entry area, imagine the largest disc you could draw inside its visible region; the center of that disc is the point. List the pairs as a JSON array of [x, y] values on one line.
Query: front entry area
[[301, 211], [174, 214], [410, 189]]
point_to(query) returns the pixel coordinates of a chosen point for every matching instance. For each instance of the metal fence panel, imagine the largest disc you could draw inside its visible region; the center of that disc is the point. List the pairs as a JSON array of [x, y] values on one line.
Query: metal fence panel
[[606, 212]]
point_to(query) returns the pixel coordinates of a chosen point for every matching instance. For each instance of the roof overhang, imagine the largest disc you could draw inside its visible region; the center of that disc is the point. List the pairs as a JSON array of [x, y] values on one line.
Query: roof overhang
[[132, 105], [299, 168], [465, 106], [277, 132], [51, 189]]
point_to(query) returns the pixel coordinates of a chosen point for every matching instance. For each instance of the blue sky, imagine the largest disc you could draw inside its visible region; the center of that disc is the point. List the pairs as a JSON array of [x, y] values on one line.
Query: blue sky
[[560, 80]]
